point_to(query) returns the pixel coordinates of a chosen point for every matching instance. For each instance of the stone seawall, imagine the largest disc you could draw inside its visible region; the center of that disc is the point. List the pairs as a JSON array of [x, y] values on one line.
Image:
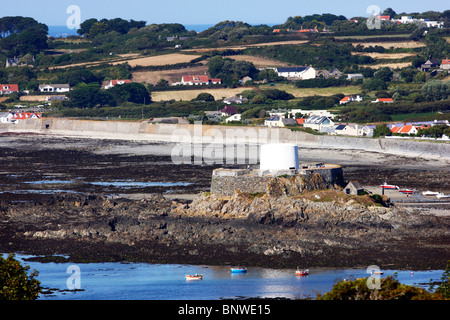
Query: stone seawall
[[185, 133]]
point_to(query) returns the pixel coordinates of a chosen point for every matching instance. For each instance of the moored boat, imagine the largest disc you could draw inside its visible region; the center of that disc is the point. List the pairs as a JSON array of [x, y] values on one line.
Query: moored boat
[[430, 193], [388, 186], [406, 191], [302, 272], [440, 195], [238, 270], [194, 276]]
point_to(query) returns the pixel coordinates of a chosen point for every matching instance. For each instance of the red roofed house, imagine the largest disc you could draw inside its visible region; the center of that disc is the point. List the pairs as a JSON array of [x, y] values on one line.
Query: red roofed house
[[112, 83], [199, 80], [384, 100], [384, 18], [344, 100], [300, 120], [8, 88], [408, 129], [445, 64], [228, 111], [26, 115]]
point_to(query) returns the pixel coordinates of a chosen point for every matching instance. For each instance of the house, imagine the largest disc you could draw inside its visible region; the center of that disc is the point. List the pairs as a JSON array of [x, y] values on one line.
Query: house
[[238, 100], [198, 80], [289, 122], [303, 73], [274, 121], [366, 131], [8, 88], [6, 117], [26, 115], [300, 121], [430, 63], [354, 76], [12, 62], [353, 187], [310, 113], [384, 18], [113, 83], [384, 100], [54, 88], [339, 129], [228, 111], [333, 73], [445, 64], [318, 123], [234, 117], [245, 80], [407, 129], [347, 99], [55, 98]]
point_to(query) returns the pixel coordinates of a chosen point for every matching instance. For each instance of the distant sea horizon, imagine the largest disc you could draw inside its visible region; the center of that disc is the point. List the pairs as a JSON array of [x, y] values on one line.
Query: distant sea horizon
[[63, 31]]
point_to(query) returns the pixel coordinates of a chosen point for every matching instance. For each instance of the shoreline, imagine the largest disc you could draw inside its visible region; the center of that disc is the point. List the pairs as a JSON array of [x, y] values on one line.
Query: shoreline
[[149, 228]]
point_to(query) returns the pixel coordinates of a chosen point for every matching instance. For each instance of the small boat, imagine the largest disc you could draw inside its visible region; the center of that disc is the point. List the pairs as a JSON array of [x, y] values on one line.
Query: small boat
[[406, 191], [238, 270], [440, 195], [194, 276], [430, 193], [302, 272], [388, 186], [377, 272]]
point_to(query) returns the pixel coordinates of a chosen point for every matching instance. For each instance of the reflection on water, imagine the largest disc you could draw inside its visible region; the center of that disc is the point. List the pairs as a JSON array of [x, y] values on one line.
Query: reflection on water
[[141, 281]]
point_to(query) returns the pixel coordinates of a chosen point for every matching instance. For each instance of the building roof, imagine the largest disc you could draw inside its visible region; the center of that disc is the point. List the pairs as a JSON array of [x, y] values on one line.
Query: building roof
[[288, 121], [199, 79], [445, 61], [64, 85], [114, 82], [345, 99], [26, 115], [11, 87], [300, 120], [385, 99], [340, 127], [355, 184], [316, 119], [229, 109], [292, 69]]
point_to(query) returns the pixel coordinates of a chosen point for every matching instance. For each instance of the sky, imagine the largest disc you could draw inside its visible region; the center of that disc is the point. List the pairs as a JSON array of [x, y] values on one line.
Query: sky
[[54, 12]]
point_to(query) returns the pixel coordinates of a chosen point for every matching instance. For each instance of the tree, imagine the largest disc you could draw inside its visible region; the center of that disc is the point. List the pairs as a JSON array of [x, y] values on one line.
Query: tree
[[131, 92], [381, 130], [436, 90], [89, 96], [204, 96], [390, 289], [384, 74], [15, 284], [374, 84]]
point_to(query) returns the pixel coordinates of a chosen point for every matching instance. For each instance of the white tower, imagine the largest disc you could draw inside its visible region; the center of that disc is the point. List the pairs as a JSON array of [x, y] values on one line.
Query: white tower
[[279, 156]]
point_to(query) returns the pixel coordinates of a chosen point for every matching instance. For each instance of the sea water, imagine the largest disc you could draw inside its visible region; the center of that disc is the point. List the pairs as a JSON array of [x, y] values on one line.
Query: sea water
[[143, 281]]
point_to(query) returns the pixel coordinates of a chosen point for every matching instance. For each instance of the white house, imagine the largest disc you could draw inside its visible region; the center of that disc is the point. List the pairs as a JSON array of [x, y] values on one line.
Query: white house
[[318, 123], [234, 117], [54, 88], [353, 76], [309, 113], [6, 117], [274, 121], [303, 73], [347, 99], [113, 83]]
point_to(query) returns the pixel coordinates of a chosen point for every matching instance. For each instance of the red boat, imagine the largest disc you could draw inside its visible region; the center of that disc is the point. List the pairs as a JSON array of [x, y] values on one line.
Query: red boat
[[388, 186], [408, 191], [302, 272]]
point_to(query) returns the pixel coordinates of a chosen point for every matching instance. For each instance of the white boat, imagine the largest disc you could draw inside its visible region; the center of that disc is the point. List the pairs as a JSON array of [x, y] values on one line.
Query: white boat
[[194, 276], [302, 272], [430, 193], [388, 186], [440, 195]]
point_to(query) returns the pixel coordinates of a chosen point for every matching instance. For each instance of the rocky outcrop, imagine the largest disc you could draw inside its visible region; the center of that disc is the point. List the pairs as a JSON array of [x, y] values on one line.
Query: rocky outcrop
[[321, 228]]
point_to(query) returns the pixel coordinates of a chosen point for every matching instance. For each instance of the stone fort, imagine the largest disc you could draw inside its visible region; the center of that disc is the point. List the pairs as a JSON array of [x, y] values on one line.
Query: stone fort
[[280, 172]]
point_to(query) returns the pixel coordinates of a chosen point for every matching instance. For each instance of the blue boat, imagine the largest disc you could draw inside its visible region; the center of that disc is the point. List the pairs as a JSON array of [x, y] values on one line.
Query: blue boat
[[238, 270]]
